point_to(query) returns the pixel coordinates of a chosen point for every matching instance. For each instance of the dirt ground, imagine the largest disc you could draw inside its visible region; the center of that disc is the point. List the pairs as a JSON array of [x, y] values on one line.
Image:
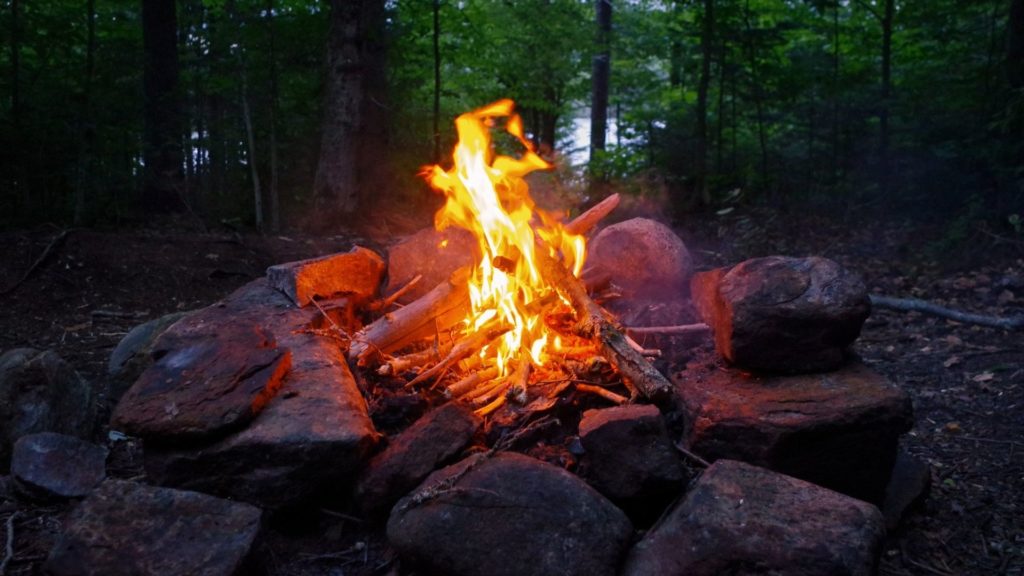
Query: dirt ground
[[967, 383]]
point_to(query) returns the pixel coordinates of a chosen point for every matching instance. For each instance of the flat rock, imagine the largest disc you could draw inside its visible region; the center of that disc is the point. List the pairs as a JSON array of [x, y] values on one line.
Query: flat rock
[[508, 515], [51, 465], [40, 392], [650, 267], [743, 520], [629, 457], [134, 353], [314, 434], [130, 529], [839, 430], [908, 487], [215, 371], [411, 456], [783, 314], [357, 272], [431, 253]]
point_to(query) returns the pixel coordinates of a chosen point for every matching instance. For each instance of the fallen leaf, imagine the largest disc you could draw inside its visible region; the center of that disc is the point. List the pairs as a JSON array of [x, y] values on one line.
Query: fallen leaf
[[953, 428], [984, 377], [954, 340], [1005, 297], [951, 361]]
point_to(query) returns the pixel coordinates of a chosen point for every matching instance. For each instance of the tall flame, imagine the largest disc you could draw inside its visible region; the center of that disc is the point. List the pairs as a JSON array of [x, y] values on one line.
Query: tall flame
[[486, 194]]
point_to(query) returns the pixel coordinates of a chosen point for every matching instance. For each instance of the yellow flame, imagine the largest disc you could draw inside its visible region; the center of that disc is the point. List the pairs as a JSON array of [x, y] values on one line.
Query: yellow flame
[[486, 194]]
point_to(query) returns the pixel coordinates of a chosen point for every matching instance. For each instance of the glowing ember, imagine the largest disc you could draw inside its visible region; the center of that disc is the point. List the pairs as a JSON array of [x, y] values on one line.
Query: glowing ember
[[486, 194]]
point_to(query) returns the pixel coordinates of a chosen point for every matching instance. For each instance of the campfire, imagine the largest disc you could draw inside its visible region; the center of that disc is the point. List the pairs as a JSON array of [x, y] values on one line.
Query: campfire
[[520, 324]]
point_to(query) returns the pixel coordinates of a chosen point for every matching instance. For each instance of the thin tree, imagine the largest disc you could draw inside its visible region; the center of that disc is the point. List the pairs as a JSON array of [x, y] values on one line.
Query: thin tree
[[275, 200], [86, 132], [601, 74], [162, 152], [885, 19], [1015, 45], [706, 50], [437, 81]]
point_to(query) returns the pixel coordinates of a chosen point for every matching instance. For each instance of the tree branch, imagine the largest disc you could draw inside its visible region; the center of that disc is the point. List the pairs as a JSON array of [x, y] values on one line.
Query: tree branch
[[1013, 323]]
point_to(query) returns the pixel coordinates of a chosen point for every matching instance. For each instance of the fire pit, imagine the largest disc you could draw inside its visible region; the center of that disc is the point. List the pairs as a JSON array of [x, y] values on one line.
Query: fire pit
[[526, 431]]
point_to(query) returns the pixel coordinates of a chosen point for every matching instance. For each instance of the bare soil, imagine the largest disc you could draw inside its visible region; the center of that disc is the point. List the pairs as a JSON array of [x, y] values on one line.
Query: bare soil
[[967, 383]]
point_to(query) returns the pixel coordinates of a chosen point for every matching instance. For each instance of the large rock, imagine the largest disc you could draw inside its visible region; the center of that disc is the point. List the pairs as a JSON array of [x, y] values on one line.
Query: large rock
[[629, 457], [130, 529], [648, 264], [216, 371], [431, 253], [783, 314], [51, 465], [744, 520], [134, 354], [508, 515], [39, 392], [314, 433], [357, 272], [839, 430], [430, 442]]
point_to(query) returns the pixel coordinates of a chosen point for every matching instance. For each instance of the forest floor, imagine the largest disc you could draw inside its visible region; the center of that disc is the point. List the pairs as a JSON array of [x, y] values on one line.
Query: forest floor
[[966, 382]]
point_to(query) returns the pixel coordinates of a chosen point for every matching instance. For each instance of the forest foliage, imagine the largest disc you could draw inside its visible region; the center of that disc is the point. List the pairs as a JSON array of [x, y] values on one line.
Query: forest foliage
[[714, 101]]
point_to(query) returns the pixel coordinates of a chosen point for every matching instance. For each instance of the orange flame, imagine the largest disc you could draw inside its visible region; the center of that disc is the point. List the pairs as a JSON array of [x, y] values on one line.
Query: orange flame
[[486, 194]]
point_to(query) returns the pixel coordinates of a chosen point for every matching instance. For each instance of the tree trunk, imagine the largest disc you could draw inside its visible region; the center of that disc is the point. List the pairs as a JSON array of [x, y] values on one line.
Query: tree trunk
[[275, 199], [251, 141], [1015, 45], [85, 129], [437, 81], [162, 116], [15, 60], [720, 110], [758, 97], [883, 114], [706, 48], [835, 91], [350, 139], [601, 74]]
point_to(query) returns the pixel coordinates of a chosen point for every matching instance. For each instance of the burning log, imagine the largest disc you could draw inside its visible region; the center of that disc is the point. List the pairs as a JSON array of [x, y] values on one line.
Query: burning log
[[586, 221], [438, 309], [398, 364], [464, 348], [594, 322]]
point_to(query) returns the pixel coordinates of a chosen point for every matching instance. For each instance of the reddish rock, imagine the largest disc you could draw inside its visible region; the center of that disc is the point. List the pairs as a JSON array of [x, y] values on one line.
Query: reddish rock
[[50, 465], [433, 254], [839, 430], [744, 520], [40, 392], [782, 314], [130, 529], [134, 353], [508, 515], [419, 450], [213, 375], [357, 272], [629, 457], [315, 434]]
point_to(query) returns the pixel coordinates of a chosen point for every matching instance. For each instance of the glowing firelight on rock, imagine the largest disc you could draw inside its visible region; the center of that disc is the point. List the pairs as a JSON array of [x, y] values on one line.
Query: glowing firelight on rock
[[486, 195]]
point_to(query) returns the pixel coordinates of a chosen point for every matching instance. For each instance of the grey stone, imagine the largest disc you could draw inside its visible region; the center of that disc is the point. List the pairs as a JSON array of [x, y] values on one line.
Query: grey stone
[[434, 255], [50, 465], [129, 529], [39, 392], [839, 430], [508, 515], [743, 520], [431, 441]]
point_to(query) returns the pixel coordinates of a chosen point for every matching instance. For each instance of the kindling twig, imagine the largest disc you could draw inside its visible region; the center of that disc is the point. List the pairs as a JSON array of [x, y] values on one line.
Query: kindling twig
[[669, 330], [703, 463], [9, 547], [329, 319], [602, 392], [464, 348], [385, 303]]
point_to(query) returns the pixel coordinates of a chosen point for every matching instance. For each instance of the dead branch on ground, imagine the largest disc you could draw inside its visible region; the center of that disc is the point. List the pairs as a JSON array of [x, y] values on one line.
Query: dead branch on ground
[[9, 546], [1012, 323], [50, 249], [587, 220]]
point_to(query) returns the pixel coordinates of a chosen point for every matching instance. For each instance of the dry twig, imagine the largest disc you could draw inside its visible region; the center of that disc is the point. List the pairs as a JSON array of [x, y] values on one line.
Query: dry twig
[[473, 343], [9, 546], [50, 248], [669, 330]]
